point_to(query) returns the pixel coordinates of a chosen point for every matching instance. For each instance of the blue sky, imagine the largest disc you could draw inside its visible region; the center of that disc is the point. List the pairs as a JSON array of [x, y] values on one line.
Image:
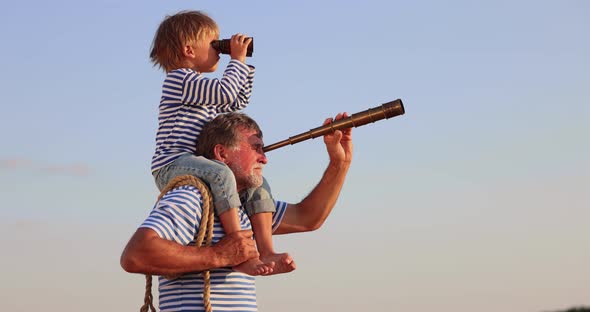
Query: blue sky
[[474, 199]]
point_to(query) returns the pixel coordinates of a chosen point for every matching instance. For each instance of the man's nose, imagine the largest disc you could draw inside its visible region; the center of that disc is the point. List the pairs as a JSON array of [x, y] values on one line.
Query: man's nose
[[262, 158]]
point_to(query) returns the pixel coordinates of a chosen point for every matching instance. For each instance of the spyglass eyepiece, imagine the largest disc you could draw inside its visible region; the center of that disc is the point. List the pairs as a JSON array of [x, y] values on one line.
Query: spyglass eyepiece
[[223, 46]]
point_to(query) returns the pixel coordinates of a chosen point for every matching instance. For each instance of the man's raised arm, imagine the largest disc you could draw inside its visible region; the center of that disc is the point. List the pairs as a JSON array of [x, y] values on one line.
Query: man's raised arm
[[311, 212]]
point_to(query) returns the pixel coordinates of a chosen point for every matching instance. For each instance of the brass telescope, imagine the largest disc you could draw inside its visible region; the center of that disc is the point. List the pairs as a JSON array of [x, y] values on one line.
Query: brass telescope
[[385, 111]]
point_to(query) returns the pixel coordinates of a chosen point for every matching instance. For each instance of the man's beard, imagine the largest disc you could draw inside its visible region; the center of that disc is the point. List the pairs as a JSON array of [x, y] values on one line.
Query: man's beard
[[245, 179]]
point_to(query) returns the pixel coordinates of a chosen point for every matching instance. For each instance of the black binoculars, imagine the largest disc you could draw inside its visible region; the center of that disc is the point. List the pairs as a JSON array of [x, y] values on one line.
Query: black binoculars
[[223, 47]]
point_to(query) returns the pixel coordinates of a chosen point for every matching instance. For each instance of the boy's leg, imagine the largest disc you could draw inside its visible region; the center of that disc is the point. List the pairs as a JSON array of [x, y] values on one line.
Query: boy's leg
[[262, 228], [260, 206], [222, 183], [230, 221], [218, 176]]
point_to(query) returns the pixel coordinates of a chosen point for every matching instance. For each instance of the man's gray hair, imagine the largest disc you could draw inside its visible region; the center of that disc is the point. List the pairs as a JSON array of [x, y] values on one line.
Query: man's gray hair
[[224, 130]]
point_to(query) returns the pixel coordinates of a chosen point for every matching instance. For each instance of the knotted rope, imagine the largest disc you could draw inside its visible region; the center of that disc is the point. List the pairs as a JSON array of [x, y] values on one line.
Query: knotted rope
[[207, 219]]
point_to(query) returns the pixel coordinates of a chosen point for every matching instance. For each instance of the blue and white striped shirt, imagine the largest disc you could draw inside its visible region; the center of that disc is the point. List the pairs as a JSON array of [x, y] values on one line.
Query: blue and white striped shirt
[[189, 100], [176, 217]]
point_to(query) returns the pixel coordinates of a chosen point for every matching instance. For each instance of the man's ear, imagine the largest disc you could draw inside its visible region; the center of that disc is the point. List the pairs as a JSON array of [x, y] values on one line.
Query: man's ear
[[220, 152]]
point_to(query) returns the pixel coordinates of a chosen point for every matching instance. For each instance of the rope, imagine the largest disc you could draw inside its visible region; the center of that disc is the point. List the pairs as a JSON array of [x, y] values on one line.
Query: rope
[[148, 299], [204, 231]]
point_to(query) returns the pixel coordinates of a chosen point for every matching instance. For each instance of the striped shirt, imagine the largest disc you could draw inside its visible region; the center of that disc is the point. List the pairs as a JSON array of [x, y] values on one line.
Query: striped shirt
[[176, 217], [189, 100]]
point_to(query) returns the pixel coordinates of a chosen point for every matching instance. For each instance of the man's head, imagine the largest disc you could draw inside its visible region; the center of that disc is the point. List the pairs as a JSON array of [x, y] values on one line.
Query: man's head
[[236, 140], [184, 40]]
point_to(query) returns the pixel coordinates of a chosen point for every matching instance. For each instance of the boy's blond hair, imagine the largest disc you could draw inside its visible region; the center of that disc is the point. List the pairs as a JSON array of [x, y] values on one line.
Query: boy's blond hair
[[175, 32]]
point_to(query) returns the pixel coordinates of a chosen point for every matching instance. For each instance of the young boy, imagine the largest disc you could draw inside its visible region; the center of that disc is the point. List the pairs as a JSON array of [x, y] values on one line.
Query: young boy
[[182, 47]]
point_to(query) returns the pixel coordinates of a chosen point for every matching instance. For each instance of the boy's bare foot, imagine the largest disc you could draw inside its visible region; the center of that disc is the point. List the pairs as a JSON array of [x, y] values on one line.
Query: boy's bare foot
[[255, 267], [283, 263]]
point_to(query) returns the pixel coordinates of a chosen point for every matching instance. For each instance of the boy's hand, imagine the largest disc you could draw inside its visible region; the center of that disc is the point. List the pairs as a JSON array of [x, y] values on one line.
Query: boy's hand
[[239, 46]]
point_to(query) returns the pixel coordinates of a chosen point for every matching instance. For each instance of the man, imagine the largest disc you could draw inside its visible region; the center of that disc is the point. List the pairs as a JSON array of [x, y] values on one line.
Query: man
[[162, 244]]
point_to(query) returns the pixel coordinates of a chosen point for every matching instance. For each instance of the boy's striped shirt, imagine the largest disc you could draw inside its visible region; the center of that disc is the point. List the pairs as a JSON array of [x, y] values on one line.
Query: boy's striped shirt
[[189, 100]]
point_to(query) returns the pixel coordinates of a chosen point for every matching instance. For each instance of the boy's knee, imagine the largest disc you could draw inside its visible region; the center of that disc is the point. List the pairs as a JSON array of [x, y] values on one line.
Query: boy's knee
[[259, 193], [259, 206]]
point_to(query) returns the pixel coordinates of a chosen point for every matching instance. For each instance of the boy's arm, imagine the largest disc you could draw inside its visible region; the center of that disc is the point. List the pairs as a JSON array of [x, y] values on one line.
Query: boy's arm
[[311, 212], [239, 47], [230, 93], [243, 97], [148, 253]]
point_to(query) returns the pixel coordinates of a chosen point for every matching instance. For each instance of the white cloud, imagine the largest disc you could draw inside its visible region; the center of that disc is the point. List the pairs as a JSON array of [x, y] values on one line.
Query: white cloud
[[75, 169]]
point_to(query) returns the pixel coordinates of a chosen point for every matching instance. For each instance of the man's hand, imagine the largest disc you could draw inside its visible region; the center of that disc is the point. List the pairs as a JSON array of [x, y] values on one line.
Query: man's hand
[[239, 47], [235, 248], [312, 211], [339, 143]]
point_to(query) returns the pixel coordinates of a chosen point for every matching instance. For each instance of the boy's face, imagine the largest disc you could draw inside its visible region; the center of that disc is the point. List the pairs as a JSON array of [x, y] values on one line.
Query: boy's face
[[205, 57]]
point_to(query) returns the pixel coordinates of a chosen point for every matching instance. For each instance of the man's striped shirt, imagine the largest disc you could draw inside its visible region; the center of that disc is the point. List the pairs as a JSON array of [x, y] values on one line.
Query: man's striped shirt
[[189, 100], [176, 217]]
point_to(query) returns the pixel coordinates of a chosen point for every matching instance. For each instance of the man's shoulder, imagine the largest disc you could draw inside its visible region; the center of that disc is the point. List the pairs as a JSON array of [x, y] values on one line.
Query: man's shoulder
[[277, 217], [186, 195], [176, 215]]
